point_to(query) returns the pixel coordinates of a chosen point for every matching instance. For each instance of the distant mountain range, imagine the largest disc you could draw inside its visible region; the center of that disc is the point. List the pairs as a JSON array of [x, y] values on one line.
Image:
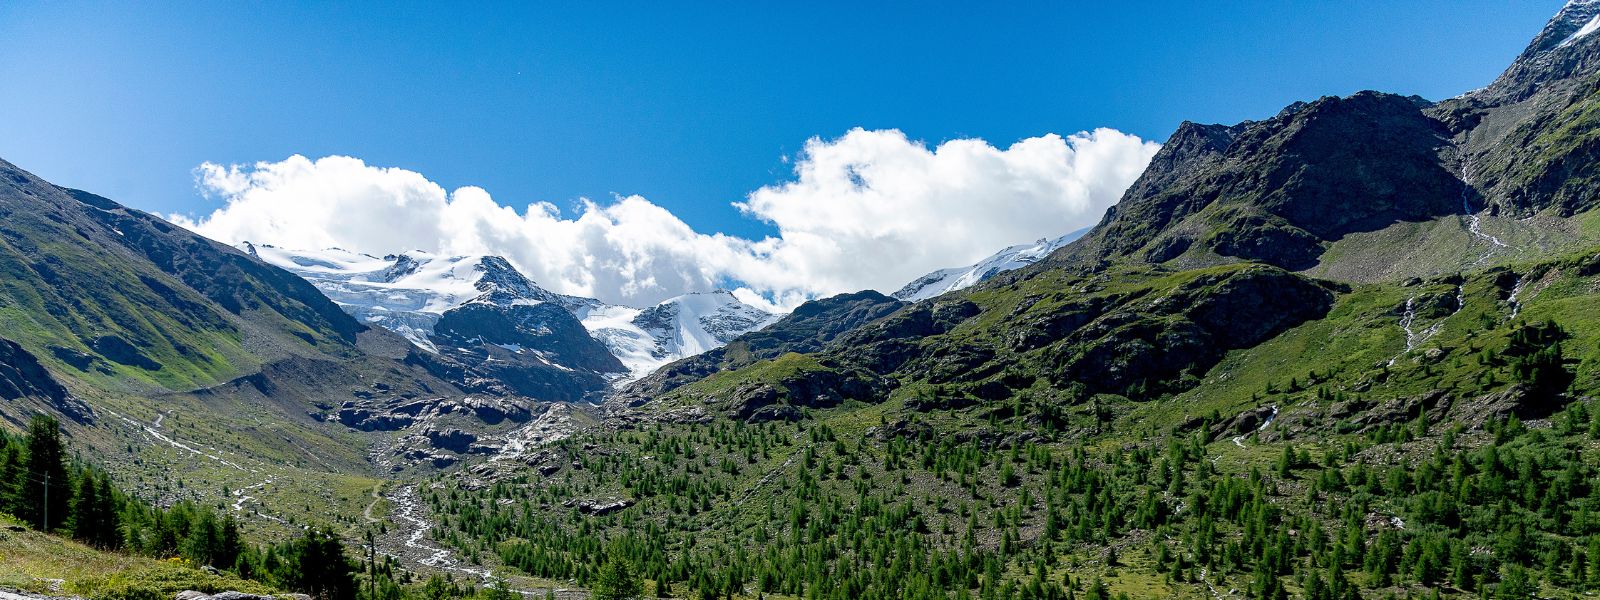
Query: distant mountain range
[[445, 304], [426, 299]]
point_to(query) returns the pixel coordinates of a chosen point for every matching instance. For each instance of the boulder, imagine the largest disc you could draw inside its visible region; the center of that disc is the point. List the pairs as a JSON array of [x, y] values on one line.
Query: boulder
[[597, 509], [454, 440], [228, 595]]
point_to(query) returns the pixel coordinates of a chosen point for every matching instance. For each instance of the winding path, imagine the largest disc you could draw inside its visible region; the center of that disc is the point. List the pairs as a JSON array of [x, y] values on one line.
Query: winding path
[[377, 497], [241, 495], [151, 431]]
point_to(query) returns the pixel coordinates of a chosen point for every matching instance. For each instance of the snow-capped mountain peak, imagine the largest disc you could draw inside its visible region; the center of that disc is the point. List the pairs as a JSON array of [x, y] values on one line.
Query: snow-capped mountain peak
[[1575, 21], [408, 293], [405, 292], [502, 283], [1014, 257]]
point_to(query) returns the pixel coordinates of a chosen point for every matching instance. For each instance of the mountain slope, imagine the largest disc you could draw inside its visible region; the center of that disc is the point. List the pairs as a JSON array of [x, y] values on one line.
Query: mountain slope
[[1376, 187], [124, 299], [1280, 191], [1146, 333], [23, 377], [1529, 138]]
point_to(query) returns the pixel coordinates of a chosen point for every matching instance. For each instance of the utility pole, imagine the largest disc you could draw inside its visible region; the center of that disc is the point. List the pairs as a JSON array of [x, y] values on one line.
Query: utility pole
[[47, 502], [372, 564]]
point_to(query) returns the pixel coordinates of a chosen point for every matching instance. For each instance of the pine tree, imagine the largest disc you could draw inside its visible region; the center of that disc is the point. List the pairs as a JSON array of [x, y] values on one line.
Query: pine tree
[[617, 580], [11, 474], [320, 567], [1516, 584], [109, 533], [1098, 591], [45, 462], [204, 542], [229, 547], [88, 522]]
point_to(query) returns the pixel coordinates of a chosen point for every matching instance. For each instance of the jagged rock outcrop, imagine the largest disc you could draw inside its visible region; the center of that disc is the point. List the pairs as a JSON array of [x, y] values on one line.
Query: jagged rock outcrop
[[1531, 139], [1561, 51], [784, 397], [1287, 189], [539, 351], [546, 333], [1276, 191], [1158, 198]]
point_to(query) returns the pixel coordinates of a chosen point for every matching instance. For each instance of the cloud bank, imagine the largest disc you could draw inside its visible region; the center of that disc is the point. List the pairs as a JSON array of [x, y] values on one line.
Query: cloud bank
[[868, 210]]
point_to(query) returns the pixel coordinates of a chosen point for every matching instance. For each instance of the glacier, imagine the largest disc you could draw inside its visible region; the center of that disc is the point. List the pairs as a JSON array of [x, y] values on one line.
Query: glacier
[[408, 293]]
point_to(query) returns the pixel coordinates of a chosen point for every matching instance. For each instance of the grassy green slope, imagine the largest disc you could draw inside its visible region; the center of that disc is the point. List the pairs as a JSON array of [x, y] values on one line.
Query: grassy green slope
[[1048, 338], [119, 299], [203, 374], [51, 565]]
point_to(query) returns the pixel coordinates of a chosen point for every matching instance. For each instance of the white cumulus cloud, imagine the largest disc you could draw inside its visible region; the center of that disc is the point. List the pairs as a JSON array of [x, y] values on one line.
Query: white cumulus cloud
[[868, 210]]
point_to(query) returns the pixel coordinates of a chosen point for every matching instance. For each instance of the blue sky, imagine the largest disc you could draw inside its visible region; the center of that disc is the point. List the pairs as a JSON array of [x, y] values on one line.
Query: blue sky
[[692, 106]]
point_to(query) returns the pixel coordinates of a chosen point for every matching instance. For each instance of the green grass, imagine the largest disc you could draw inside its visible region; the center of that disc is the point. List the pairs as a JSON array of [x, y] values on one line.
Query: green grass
[[46, 564], [776, 370]]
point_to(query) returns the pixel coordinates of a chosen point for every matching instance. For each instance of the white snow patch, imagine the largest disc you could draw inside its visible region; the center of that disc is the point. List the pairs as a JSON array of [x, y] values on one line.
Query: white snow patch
[[1588, 28]]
